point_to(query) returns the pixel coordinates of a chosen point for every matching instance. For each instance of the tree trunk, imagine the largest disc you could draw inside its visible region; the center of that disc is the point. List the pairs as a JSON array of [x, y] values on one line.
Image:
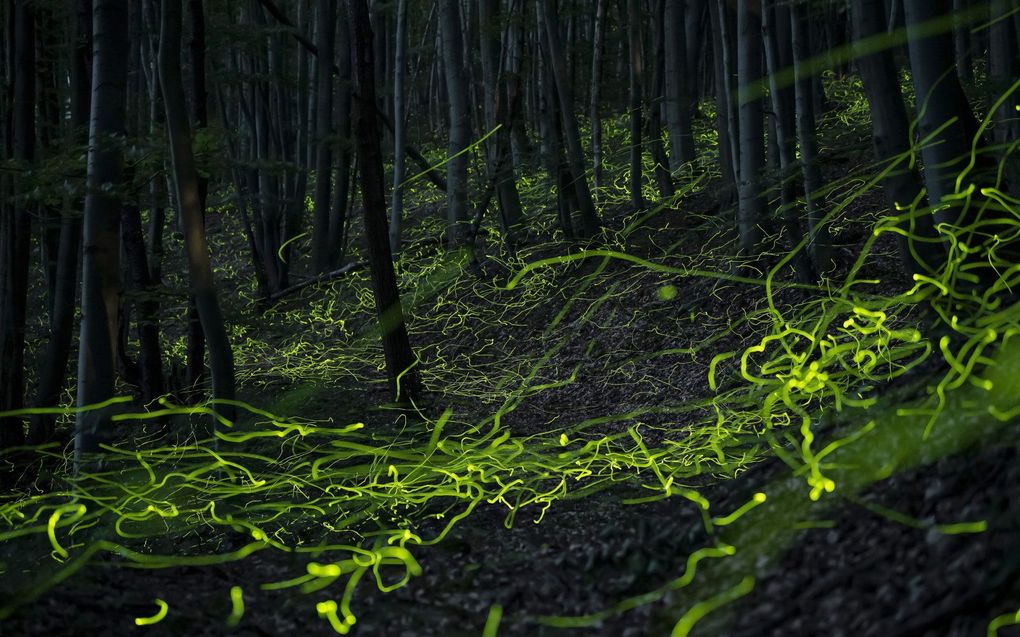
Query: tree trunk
[[187, 187], [101, 287], [595, 114], [663, 178], [589, 221], [819, 244], [890, 126], [726, 146], [399, 135], [752, 130], [636, 69], [400, 360], [677, 83], [1003, 71], [52, 371], [457, 227], [782, 119], [325, 36], [944, 117], [497, 113], [345, 145]]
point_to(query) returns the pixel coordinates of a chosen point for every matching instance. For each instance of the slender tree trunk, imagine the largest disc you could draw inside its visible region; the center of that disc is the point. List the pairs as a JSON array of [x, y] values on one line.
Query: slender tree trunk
[[497, 106], [1003, 71], [345, 144], [187, 186], [677, 83], [819, 244], [636, 69], [399, 134], [101, 287], [325, 36], [457, 228], [150, 356], [16, 228], [589, 221], [944, 117], [752, 131], [595, 113], [400, 359], [890, 127], [663, 178], [961, 42], [726, 145], [785, 140]]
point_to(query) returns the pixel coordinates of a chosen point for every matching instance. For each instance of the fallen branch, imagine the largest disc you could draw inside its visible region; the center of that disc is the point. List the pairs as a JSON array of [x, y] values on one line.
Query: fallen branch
[[322, 278]]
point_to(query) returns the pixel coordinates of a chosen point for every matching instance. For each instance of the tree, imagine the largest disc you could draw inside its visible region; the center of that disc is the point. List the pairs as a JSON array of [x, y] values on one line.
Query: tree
[[460, 125], [325, 36], [818, 237], [678, 100], [101, 286], [400, 359], [192, 215], [16, 232], [497, 106], [549, 19], [594, 111], [399, 134], [752, 132], [945, 121], [635, 70], [890, 127]]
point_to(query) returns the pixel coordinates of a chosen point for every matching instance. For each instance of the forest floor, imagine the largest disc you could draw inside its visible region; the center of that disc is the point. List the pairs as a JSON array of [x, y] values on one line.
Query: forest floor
[[600, 357]]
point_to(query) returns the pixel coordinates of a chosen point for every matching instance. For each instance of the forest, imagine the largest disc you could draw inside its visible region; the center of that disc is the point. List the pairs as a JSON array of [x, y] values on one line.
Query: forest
[[510, 318]]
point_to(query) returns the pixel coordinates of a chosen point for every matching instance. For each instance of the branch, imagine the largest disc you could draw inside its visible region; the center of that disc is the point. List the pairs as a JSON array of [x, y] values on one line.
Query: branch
[[322, 278]]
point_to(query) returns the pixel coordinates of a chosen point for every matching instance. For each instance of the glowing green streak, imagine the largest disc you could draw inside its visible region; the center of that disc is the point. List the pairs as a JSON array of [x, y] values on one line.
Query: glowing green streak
[[155, 619], [1001, 622], [492, 621], [236, 606], [699, 610]]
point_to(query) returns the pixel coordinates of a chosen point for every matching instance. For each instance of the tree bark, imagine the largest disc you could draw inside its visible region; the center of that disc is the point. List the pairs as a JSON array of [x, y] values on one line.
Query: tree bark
[[589, 221], [819, 244], [890, 125], [400, 359], [783, 117], [677, 83], [598, 47], [325, 36], [635, 71], [345, 145], [399, 134], [101, 286], [186, 181], [944, 117], [752, 130]]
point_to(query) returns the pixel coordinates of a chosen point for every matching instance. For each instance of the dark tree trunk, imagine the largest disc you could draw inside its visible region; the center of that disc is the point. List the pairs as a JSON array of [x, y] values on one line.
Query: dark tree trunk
[[325, 36], [890, 127], [52, 372], [752, 131], [589, 221], [457, 229], [189, 200], [636, 70], [101, 287], [400, 359], [345, 145]]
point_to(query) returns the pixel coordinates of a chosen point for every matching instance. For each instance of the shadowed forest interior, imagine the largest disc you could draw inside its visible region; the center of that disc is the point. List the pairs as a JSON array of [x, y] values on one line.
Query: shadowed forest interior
[[510, 317]]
